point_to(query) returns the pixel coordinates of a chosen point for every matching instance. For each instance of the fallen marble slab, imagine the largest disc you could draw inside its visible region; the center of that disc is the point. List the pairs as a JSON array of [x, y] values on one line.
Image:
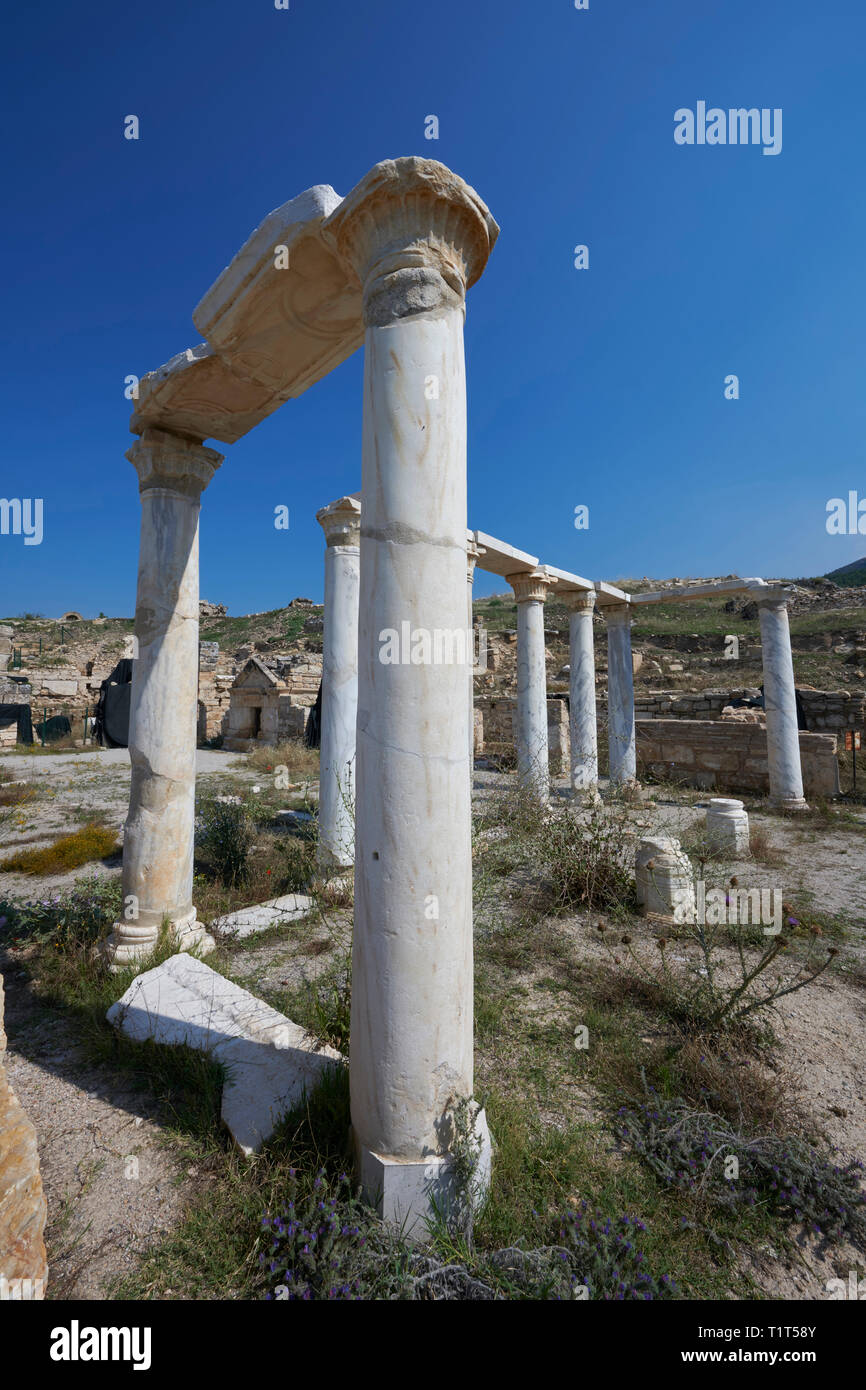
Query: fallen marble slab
[[271, 1062], [274, 913]]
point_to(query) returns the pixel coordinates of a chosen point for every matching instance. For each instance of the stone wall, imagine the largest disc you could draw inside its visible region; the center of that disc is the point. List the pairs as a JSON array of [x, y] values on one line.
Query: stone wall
[[824, 709], [728, 757], [494, 729], [23, 1210]]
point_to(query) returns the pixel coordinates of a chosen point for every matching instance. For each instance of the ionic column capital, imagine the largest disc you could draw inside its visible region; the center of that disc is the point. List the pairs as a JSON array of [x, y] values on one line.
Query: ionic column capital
[[577, 602], [172, 463], [529, 586], [341, 522], [415, 235]]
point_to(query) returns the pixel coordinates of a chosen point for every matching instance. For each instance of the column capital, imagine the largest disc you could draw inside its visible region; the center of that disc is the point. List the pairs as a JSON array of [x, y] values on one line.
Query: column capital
[[415, 235], [617, 614], [533, 585], [341, 522], [473, 554], [172, 462], [577, 602], [776, 598]]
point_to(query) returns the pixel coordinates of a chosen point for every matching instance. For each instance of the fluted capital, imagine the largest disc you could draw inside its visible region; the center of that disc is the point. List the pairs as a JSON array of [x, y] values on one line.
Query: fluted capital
[[341, 522], [529, 586], [415, 235], [171, 462], [617, 614], [577, 602]]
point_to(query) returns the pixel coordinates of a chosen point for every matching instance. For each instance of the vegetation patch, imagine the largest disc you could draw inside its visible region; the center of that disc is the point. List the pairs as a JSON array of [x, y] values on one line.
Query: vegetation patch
[[69, 852]]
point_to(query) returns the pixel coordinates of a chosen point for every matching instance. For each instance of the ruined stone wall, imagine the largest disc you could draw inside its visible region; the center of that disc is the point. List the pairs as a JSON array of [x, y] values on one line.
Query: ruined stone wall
[[724, 756], [824, 709], [494, 729]]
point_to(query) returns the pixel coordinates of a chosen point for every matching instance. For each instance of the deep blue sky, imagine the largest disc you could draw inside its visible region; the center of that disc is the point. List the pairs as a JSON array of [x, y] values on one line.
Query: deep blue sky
[[603, 387]]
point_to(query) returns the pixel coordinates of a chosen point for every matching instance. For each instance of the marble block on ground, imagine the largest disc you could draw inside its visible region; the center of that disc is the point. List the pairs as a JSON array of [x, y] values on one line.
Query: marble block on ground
[[270, 1061], [249, 920]]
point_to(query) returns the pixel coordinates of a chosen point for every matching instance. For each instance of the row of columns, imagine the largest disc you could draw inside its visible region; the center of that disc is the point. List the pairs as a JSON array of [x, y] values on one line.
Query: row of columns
[[530, 591]]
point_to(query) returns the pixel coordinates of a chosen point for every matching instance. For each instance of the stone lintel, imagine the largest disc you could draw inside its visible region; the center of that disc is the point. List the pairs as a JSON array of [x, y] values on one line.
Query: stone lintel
[[502, 559], [197, 395], [284, 318], [695, 591]]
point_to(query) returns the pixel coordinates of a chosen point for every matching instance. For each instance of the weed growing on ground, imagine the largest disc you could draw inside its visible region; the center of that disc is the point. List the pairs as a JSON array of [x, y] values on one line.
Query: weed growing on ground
[[698, 1151], [83, 846]]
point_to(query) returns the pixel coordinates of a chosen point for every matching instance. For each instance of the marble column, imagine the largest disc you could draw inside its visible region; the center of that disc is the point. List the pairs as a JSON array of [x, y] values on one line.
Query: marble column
[[472, 554], [341, 524], [533, 775], [620, 694], [582, 716], [416, 237], [158, 842], [780, 704]]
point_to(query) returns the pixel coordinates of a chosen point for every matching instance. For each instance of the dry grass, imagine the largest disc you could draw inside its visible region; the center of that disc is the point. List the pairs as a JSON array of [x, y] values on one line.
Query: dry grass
[[294, 756], [763, 850], [69, 852], [18, 794]]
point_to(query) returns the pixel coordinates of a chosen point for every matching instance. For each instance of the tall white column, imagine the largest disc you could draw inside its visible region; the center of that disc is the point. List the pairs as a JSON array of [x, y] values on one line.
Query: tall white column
[[780, 704], [416, 236], [582, 716], [342, 526], [620, 694], [158, 840], [472, 554], [530, 590]]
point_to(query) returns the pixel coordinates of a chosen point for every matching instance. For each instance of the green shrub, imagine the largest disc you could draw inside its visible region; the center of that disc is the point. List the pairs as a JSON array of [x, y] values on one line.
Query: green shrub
[[226, 836]]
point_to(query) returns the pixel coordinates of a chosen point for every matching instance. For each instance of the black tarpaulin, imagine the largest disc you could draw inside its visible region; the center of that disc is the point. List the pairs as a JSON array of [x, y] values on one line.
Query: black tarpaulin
[[111, 720], [20, 716]]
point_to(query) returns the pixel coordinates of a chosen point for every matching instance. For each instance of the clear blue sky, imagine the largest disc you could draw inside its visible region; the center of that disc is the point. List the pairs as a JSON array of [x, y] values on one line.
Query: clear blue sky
[[603, 387]]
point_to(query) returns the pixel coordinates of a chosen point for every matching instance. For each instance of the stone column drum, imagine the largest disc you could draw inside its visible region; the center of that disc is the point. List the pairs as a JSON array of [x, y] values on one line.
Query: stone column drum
[[416, 236], [620, 694], [780, 704], [728, 825], [158, 840], [533, 775], [664, 880], [341, 524], [582, 715]]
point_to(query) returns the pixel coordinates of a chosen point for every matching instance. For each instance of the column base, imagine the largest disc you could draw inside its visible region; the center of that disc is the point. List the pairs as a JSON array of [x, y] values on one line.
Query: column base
[[129, 945], [789, 803], [413, 1194]]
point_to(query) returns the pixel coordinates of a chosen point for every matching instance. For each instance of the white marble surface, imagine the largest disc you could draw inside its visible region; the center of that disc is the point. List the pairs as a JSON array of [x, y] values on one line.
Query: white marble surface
[[341, 523], [620, 694], [159, 832], [531, 712], [780, 705], [583, 728], [271, 1062]]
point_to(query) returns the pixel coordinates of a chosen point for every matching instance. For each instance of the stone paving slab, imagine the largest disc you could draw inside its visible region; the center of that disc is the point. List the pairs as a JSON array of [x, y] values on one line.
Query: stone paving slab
[[271, 1062], [249, 920]]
